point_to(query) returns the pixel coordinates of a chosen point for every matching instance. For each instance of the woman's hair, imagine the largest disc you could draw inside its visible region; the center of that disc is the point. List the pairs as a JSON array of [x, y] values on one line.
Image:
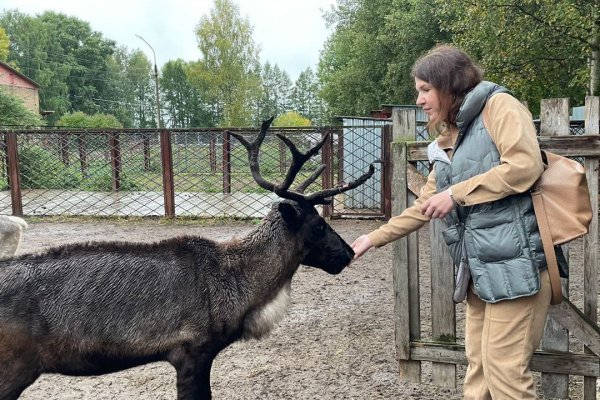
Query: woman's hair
[[453, 74]]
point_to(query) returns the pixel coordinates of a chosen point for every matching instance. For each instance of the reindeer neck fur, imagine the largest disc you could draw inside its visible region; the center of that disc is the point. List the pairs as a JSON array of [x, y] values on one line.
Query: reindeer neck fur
[[269, 277]]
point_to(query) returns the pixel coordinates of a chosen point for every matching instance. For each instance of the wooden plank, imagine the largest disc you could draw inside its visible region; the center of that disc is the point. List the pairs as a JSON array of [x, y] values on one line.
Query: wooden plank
[[547, 362], [443, 313], [404, 124], [554, 121], [590, 241], [414, 294], [409, 370], [168, 175], [578, 324], [554, 117], [592, 111], [568, 146], [415, 180], [14, 180]]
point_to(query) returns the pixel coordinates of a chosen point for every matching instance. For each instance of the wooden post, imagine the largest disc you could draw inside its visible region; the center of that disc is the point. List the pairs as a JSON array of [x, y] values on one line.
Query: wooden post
[[226, 162], [443, 311], [404, 123], [212, 152], [63, 142], [554, 117], [115, 161], [82, 154], [146, 151], [166, 152], [282, 157], [405, 250], [590, 241], [327, 175], [14, 180], [554, 121], [386, 172]]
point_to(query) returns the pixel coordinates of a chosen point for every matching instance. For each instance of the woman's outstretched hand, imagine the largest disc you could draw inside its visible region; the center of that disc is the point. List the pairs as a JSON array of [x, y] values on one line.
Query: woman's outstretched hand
[[361, 245]]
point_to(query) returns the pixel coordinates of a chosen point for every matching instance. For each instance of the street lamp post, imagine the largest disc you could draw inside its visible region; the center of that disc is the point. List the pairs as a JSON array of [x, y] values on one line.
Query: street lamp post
[[158, 123]]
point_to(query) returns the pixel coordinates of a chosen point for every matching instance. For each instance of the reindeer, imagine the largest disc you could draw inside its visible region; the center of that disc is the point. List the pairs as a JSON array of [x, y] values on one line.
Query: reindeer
[[11, 229], [95, 308]]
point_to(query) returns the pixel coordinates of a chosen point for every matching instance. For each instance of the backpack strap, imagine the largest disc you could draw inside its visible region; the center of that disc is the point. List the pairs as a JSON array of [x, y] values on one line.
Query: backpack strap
[[544, 228]]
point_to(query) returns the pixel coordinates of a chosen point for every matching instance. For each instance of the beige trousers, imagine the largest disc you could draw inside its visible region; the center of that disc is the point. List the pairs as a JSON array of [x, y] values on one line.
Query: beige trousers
[[500, 339]]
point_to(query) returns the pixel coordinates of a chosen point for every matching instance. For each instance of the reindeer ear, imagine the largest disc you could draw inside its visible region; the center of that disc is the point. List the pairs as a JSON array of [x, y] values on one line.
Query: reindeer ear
[[291, 214]]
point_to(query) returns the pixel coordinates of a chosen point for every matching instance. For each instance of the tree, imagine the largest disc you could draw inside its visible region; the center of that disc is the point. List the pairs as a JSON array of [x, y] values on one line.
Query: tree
[[229, 63], [366, 61], [138, 73], [291, 118], [305, 97], [276, 89], [183, 102], [4, 44], [14, 113], [63, 55], [79, 119], [538, 49]]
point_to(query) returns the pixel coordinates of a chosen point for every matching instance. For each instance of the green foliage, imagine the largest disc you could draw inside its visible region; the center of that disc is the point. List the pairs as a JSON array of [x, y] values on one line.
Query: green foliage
[[366, 61], [14, 113], [275, 94], [64, 56], [101, 181], [183, 101], [538, 49], [305, 97], [41, 169], [4, 44], [229, 64], [291, 118], [79, 119]]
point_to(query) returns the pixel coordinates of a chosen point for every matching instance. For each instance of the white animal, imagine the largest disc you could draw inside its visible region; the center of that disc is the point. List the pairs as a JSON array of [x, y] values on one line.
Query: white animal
[[11, 229]]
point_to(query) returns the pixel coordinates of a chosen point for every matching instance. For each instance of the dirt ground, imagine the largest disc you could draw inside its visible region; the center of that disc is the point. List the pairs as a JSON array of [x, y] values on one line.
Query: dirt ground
[[336, 342]]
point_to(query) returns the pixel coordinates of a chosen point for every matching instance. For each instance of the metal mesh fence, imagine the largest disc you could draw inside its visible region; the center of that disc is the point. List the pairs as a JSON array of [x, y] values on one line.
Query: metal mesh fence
[[120, 173], [212, 176]]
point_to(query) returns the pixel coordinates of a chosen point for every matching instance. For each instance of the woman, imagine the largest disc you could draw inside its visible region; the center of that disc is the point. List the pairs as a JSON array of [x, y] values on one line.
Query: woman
[[485, 158]]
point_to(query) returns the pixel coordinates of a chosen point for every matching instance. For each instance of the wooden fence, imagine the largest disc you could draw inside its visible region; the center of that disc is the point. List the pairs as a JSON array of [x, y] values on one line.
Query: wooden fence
[[568, 327]]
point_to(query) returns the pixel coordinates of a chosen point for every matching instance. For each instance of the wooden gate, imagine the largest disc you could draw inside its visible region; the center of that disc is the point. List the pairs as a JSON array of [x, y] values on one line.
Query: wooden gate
[[571, 345]]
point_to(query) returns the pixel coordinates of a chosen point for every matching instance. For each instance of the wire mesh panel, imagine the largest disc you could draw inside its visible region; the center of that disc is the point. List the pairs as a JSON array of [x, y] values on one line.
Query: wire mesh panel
[[361, 145], [212, 175], [90, 173], [122, 172]]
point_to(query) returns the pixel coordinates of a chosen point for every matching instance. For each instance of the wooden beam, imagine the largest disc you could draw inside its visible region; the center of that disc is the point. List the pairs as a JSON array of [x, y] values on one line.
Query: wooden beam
[[555, 362], [568, 146]]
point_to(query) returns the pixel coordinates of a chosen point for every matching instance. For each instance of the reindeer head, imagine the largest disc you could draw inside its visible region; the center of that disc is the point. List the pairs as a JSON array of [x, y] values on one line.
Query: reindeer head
[[321, 246]]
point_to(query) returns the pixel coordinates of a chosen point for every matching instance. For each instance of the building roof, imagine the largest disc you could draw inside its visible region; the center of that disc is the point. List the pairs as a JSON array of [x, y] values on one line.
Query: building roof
[[14, 71]]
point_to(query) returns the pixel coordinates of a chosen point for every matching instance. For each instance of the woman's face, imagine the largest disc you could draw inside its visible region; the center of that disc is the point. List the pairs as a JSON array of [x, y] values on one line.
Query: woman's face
[[428, 97]]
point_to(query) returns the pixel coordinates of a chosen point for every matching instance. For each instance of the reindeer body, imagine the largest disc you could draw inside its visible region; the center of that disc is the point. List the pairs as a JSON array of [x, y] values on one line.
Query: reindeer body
[[89, 309]]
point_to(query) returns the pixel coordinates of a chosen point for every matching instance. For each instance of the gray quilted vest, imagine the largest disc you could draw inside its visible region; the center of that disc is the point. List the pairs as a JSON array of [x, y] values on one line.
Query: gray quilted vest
[[501, 238]]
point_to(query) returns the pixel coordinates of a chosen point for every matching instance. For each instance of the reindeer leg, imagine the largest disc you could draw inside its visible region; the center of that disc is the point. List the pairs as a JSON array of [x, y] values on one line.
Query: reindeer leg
[[193, 375], [16, 374]]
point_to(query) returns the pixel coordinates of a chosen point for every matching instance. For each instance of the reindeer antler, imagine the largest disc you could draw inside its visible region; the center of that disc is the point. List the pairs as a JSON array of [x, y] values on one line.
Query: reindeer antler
[[298, 160]]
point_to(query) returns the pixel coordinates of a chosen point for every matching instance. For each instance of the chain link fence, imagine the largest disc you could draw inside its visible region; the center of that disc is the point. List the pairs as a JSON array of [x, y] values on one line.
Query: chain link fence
[[198, 173]]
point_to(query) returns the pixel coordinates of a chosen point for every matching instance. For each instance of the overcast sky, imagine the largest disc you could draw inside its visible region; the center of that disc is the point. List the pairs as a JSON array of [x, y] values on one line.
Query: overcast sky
[[290, 33]]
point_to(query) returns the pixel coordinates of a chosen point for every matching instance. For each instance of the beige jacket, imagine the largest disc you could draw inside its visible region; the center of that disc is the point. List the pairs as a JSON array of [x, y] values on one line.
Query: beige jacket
[[511, 128]]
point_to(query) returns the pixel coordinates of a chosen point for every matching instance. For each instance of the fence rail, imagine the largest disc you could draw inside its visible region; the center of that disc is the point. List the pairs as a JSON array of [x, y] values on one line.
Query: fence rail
[[178, 172], [436, 337]]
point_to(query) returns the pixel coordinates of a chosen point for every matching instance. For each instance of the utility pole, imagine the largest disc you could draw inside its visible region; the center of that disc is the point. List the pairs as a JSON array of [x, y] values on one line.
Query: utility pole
[[158, 119]]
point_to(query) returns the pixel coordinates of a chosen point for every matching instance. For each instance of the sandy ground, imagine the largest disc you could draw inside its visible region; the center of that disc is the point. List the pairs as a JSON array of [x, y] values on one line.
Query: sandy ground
[[337, 341]]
